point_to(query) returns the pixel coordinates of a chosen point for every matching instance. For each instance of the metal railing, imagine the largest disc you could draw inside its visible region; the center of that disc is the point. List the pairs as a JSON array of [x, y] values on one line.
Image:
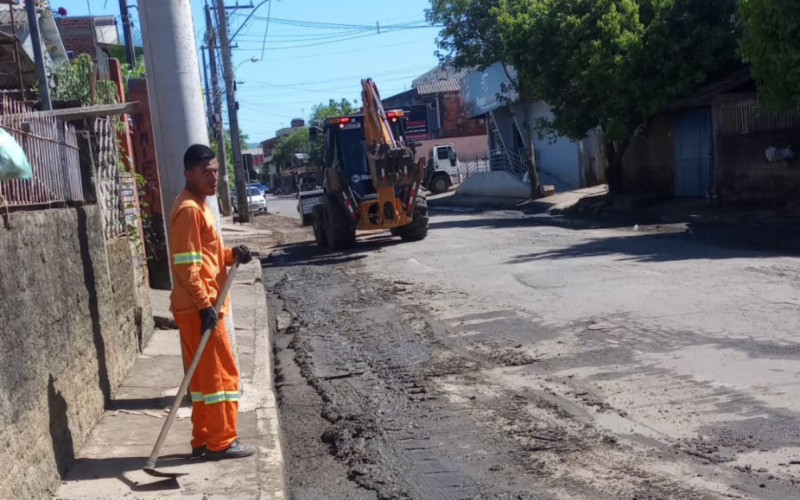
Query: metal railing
[[496, 160], [52, 150], [738, 114]]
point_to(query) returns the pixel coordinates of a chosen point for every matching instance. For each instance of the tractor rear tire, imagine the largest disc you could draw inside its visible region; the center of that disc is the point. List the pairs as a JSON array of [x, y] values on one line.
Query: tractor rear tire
[[418, 229], [339, 232], [318, 220]]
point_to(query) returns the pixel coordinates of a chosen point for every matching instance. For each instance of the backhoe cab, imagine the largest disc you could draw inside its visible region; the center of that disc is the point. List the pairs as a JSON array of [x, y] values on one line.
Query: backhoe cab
[[371, 180]]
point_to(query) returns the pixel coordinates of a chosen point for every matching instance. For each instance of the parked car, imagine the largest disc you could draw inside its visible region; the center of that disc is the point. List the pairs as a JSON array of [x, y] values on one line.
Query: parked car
[[262, 188], [255, 200]]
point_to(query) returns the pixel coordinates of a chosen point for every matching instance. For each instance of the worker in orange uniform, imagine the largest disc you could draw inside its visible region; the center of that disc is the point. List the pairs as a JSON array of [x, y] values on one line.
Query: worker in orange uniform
[[199, 263]]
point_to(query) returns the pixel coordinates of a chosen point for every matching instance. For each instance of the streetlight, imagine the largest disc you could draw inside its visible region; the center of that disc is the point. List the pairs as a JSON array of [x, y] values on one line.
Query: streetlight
[[252, 59]]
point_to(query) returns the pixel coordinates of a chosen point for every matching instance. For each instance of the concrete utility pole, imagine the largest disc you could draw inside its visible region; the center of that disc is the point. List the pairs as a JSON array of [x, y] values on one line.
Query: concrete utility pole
[[130, 50], [176, 99], [233, 117], [216, 116], [38, 56]]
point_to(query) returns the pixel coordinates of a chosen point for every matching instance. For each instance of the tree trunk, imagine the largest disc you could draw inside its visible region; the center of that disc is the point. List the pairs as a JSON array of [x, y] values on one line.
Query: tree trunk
[[533, 173], [527, 131], [615, 150]]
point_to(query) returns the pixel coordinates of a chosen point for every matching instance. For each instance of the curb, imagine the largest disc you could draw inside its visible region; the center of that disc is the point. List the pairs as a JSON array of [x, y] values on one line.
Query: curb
[[270, 464]]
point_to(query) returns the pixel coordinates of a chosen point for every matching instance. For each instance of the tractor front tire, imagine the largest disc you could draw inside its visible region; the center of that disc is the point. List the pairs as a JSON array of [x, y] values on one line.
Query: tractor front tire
[[418, 229], [339, 233]]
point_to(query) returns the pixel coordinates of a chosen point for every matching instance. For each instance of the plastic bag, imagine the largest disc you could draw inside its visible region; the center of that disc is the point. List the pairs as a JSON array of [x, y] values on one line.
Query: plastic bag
[[13, 162]]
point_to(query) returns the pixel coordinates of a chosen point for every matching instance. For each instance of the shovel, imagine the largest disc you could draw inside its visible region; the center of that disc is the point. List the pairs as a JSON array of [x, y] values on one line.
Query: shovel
[[150, 466]]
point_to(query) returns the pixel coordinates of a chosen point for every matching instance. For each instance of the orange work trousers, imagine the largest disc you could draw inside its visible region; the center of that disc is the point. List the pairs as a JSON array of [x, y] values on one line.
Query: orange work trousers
[[215, 385]]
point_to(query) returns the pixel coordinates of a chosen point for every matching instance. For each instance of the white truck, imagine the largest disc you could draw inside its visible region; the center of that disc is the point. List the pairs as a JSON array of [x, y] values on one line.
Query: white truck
[[309, 194], [443, 168]]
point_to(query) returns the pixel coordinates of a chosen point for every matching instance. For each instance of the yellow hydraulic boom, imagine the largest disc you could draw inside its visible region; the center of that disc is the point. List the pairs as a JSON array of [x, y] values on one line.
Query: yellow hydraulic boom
[[391, 165]]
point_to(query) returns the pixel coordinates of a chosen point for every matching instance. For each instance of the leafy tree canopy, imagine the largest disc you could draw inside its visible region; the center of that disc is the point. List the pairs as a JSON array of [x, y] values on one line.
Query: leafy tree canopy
[[75, 80], [614, 63], [228, 149], [298, 142], [771, 44], [333, 109], [470, 36]]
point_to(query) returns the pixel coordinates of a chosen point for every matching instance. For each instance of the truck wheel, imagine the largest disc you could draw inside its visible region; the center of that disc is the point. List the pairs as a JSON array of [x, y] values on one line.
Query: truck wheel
[[339, 233], [418, 229], [318, 218], [439, 184]]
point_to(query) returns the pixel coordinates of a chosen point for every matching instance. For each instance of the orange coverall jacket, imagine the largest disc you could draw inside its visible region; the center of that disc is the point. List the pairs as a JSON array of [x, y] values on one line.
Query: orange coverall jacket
[[198, 256]]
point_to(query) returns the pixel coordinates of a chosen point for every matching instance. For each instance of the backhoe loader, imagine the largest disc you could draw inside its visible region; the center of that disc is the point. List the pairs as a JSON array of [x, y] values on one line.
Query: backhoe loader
[[371, 180]]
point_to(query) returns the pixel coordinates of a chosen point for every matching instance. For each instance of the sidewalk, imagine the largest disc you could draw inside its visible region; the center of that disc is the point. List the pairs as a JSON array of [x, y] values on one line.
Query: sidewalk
[[557, 203], [109, 463]]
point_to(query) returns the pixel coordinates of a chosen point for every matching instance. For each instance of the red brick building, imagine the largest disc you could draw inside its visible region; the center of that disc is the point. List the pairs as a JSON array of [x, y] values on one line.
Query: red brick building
[[87, 34], [435, 111]]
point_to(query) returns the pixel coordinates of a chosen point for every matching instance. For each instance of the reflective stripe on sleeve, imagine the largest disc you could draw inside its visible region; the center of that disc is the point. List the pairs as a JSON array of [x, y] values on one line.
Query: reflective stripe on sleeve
[[187, 258]]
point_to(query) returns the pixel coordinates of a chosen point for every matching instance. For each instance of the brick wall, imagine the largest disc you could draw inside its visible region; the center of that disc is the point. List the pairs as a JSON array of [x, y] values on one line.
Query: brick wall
[[648, 164], [743, 130], [455, 122], [76, 34], [743, 174]]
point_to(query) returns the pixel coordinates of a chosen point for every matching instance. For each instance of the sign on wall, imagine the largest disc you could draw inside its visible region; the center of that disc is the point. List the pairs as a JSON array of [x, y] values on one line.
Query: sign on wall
[[482, 91], [417, 126]]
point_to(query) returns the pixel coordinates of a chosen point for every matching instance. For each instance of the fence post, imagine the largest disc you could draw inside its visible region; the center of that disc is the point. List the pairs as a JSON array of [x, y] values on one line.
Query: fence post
[[88, 165], [62, 141]]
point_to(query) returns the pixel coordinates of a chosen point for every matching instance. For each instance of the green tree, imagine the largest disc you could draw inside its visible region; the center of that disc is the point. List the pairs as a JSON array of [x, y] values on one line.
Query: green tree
[[228, 149], [298, 142], [614, 63], [771, 44], [471, 39], [321, 112], [78, 81], [131, 72], [333, 109]]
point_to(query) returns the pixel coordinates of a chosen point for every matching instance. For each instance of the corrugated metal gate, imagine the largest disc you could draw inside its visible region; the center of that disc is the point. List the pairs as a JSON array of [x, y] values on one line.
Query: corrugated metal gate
[[694, 153]]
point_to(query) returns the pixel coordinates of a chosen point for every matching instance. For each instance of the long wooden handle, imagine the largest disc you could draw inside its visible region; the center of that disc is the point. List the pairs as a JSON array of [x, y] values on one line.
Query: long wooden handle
[[173, 412]]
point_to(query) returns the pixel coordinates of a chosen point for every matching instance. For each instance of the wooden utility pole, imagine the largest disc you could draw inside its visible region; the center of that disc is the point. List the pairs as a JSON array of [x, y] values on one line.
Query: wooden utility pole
[[216, 116], [233, 116]]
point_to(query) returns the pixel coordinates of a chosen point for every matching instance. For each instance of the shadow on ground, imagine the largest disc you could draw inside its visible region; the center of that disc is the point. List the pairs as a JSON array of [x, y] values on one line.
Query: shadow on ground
[[118, 468], [646, 248], [307, 253], [682, 240]]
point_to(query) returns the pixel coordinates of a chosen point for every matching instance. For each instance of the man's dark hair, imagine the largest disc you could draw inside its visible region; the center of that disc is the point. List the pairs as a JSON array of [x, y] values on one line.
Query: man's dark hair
[[197, 154]]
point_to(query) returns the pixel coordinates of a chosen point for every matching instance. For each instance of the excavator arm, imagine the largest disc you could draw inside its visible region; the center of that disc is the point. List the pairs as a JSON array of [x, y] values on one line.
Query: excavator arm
[[391, 162]]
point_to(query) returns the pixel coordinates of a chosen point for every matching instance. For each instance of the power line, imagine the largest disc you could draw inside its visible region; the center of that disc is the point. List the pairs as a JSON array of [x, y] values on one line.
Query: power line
[[266, 29], [303, 38], [328, 90], [339, 26], [319, 43], [357, 76]]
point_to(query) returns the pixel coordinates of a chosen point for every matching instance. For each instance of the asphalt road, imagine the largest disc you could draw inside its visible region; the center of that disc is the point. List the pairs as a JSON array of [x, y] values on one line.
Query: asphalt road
[[285, 206], [521, 357]]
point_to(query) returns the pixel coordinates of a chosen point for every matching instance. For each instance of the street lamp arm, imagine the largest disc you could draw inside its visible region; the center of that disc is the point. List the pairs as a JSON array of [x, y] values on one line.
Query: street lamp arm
[[248, 18]]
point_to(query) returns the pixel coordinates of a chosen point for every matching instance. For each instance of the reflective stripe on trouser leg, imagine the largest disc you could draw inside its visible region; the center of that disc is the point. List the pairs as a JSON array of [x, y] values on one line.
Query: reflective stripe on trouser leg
[[215, 385]]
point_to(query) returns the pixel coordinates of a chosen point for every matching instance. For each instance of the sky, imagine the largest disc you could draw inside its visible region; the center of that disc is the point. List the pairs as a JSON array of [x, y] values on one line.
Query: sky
[[307, 65]]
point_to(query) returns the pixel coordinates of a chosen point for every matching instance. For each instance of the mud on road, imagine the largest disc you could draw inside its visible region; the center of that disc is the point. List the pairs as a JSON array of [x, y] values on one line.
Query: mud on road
[[382, 397]]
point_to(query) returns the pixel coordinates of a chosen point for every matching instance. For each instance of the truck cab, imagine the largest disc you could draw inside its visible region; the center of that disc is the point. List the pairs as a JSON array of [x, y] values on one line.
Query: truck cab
[[443, 168]]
